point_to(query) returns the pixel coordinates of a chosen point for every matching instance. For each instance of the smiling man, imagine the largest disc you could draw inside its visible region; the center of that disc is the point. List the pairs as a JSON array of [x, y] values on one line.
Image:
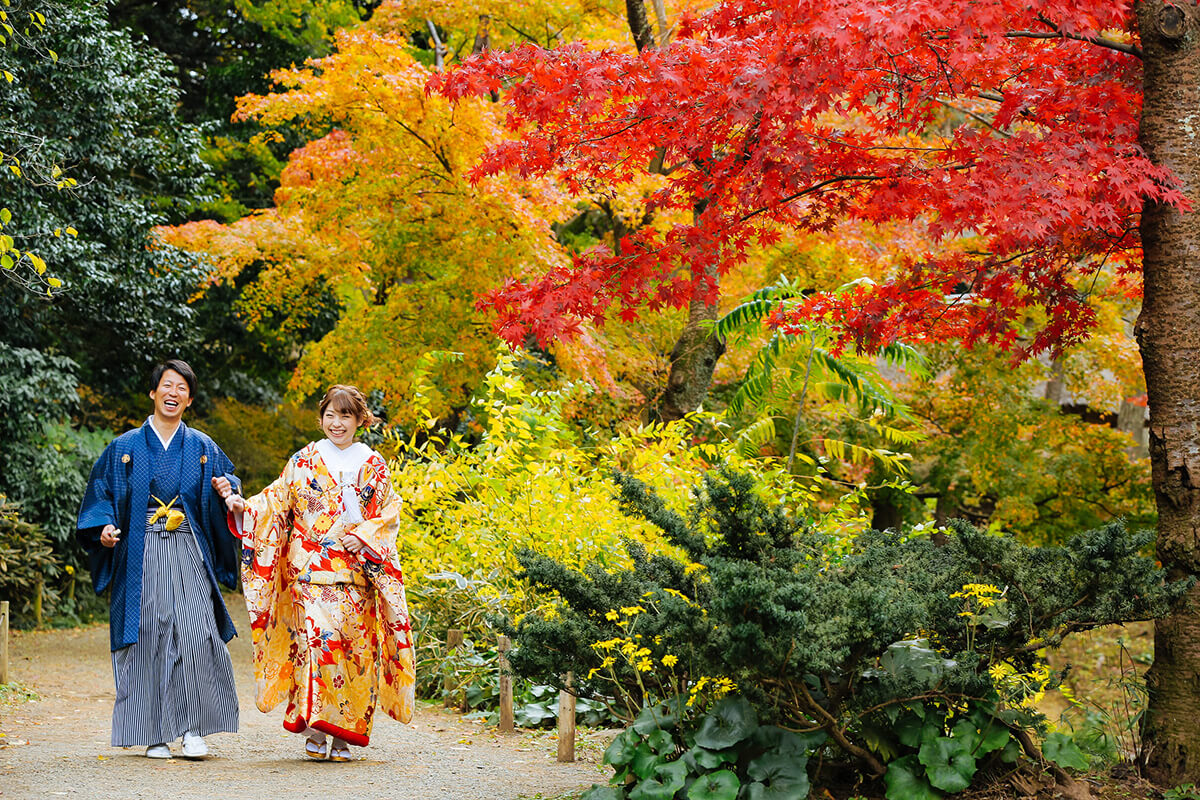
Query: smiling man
[[156, 534]]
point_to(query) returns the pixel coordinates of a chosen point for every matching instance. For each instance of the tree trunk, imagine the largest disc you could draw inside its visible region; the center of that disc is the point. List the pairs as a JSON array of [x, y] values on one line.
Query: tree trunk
[[693, 360], [1168, 332], [694, 356], [639, 24]]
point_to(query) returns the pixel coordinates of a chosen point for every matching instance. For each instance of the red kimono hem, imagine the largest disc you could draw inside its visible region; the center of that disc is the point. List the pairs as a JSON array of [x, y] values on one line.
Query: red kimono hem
[[349, 737]]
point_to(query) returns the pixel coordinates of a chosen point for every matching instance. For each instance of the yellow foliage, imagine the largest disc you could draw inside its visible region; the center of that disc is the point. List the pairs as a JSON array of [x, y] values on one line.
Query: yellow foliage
[[380, 209], [530, 481]]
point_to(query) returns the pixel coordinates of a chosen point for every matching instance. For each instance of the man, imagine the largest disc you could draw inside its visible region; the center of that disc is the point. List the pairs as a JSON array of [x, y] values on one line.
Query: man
[[156, 534]]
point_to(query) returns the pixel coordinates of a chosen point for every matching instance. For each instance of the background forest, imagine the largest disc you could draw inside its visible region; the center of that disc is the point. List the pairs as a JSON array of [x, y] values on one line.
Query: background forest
[[295, 193]]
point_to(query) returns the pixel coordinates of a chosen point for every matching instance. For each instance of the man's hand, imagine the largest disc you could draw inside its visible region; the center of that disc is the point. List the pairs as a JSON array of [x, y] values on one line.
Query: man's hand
[[110, 536], [234, 502]]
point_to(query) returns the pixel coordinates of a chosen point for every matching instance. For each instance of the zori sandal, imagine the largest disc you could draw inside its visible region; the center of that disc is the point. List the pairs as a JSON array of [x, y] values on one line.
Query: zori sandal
[[315, 749], [340, 753]]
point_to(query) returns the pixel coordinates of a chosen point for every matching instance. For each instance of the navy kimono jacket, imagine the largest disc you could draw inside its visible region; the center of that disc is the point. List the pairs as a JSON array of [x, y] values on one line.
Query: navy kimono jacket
[[118, 493]]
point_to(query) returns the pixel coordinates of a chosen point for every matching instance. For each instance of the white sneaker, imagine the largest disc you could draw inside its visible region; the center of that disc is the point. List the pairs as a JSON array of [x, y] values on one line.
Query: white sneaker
[[158, 751], [194, 746]]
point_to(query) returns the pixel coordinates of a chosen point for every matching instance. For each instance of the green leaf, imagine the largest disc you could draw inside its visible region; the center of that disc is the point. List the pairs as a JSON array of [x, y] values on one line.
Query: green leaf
[[881, 739], [1011, 752], [909, 730], [966, 734], [652, 718], [991, 735], [707, 759], [1062, 750], [661, 742], [780, 775], [5, 216], [720, 785], [728, 722], [915, 659], [645, 761], [601, 792], [905, 780], [666, 780], [779, 791], [788, 743], [622, 749], [6, 261], [948, 763]]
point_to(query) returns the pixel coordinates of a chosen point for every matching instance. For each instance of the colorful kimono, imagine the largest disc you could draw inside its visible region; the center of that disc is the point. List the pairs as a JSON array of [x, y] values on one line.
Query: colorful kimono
[[330, 629]]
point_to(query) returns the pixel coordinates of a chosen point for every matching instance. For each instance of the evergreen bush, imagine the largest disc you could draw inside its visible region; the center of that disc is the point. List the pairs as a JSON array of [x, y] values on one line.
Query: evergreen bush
[[916, 656]]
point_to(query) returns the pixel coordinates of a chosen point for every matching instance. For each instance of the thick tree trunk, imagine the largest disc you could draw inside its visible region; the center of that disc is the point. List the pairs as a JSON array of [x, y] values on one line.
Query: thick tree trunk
[[1168, 332], [694, 356], [693, 360]]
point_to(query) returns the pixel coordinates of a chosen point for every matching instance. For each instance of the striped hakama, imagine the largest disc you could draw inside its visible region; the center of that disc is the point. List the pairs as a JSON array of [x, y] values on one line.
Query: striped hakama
[[178, 676]]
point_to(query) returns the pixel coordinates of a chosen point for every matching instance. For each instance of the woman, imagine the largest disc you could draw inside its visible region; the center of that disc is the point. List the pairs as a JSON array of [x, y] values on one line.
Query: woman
[[324, 588], [154, 531]]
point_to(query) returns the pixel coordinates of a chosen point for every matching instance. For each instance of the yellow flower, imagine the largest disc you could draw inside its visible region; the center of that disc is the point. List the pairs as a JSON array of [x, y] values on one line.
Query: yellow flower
[[632, 611], [611, 616], [645, 665], [669, 661]]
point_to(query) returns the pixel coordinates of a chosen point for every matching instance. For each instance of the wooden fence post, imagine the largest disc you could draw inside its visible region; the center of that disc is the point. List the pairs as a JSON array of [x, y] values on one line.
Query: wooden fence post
[[566, 721], [3, 641], [454, 640], [37, 605], [506, 687]]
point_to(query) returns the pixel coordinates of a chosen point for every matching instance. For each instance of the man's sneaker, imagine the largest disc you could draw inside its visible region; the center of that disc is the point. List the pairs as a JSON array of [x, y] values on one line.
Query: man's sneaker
[[158, 751], [194, 746]]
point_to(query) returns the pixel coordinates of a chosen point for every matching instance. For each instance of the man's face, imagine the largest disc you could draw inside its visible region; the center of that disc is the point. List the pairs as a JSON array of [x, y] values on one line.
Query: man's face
[[171, 396]]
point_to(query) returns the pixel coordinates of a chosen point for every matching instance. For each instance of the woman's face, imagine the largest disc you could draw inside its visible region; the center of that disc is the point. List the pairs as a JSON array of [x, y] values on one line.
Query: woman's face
[[171, 396], [339, 426]]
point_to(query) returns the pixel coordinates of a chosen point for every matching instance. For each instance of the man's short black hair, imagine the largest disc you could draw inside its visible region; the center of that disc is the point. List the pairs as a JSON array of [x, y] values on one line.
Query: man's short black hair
[[175, 365]]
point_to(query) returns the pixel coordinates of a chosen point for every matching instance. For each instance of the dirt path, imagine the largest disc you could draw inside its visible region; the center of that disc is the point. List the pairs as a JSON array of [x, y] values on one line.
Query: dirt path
[[57, 746]]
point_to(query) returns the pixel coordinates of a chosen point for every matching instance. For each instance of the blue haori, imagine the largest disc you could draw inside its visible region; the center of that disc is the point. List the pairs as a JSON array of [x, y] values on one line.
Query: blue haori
[[178, 676], [118, 493]]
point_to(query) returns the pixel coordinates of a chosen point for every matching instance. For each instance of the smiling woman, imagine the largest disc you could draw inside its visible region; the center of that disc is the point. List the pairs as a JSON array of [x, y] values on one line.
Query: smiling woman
[[324, 587], [155, 534]]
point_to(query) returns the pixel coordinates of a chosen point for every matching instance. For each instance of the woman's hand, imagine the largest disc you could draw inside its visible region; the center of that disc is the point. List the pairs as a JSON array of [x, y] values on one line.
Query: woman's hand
[[110, 536], [224, 489], [352, 543]]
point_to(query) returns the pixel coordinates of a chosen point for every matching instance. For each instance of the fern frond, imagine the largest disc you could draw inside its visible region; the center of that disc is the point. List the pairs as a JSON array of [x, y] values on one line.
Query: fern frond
[[751, 440], [856, 454], [756, 307]]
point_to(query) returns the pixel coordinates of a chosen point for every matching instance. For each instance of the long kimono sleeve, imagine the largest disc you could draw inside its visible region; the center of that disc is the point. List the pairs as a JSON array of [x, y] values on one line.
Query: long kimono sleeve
[[378, 531], [265, 532], [99, 508], [226, 553]]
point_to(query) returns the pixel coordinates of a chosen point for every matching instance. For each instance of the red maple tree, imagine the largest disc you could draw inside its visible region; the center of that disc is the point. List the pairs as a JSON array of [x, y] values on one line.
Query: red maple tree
[[1008, 129]]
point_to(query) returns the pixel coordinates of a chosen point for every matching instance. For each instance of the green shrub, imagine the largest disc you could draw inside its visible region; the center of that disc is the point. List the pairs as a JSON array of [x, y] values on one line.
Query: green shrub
[[916, 656], [27, 562]]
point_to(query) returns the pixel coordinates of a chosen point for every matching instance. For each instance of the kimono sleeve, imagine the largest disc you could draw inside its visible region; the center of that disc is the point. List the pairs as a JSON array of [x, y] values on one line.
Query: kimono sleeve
[[381, 513], [99, 508], [226, 552], [266, 527]]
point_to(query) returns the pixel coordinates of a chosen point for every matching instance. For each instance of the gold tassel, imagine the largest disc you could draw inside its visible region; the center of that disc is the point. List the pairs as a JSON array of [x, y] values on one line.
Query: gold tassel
[[174, 516]]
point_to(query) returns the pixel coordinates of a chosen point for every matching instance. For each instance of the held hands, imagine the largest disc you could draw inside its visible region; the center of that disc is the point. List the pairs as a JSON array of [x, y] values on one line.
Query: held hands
[[110, 536], [352, 543], [234, 502]]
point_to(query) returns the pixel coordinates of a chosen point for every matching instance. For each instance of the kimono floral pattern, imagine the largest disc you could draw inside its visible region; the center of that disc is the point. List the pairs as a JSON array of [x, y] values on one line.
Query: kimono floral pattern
[[330, 629]]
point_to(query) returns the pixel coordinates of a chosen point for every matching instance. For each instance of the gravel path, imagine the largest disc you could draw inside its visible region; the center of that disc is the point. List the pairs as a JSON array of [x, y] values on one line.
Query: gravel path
[[57, 746]]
